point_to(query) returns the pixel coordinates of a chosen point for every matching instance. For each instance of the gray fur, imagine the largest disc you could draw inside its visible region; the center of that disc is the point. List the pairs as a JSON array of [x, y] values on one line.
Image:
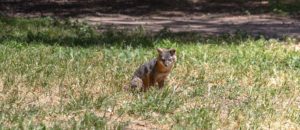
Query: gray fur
[[149, 70], [146, 68]]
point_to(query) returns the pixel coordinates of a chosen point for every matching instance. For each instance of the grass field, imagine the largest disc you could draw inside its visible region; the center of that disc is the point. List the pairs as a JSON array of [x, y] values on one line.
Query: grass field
[[60, 74]]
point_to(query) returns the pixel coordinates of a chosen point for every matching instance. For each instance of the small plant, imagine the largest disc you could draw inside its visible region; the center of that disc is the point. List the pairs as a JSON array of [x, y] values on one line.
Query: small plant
[[91, 121], [200, 118], [162, 102]]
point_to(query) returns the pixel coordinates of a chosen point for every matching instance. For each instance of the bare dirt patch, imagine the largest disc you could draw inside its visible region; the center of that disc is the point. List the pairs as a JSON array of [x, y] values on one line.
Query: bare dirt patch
[[205, 18], [212, 24]]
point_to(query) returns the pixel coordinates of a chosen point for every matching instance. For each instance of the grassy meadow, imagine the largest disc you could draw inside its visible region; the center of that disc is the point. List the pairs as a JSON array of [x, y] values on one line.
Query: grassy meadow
[[65, 75]]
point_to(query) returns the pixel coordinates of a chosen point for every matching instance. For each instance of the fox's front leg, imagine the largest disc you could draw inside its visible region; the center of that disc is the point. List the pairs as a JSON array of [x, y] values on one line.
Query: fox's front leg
[[146, 84], [161, 84]]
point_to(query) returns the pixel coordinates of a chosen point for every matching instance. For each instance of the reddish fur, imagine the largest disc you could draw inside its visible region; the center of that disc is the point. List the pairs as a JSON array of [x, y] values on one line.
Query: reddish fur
[[148, 81], [161, 69]]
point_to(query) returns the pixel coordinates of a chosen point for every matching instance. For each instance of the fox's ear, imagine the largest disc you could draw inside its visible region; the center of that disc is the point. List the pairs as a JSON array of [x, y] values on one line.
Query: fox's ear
[[159, 50], [172, 51]]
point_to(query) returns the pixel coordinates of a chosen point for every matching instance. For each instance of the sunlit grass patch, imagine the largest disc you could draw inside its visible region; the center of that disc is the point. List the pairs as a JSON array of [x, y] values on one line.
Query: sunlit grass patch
[[224, 82], [164, 101]]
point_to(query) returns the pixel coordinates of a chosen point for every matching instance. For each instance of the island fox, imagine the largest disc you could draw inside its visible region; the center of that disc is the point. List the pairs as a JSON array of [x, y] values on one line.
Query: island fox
[[154, 71]]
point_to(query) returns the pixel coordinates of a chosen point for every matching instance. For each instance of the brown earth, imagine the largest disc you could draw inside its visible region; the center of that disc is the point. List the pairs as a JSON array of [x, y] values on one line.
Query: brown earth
[[212, 24], [205, 18]]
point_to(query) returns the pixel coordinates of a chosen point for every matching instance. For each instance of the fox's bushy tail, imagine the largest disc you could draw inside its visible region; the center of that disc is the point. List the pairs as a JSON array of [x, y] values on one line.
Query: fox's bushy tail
[[135, 84]]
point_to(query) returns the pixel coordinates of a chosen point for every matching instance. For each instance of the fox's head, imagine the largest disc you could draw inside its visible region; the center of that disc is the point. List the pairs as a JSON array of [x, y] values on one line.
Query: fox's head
[[166, 57]]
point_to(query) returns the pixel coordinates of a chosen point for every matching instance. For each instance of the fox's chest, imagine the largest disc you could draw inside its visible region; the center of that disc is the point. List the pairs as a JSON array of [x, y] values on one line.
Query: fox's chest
[[161, 76]]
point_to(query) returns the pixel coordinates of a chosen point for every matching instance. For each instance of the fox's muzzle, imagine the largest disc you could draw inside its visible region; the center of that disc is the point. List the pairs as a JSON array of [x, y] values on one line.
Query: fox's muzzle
[[168, 63]]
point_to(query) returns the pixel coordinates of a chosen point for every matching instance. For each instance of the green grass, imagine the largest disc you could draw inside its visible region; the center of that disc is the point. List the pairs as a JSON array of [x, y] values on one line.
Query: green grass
[[59, 74]]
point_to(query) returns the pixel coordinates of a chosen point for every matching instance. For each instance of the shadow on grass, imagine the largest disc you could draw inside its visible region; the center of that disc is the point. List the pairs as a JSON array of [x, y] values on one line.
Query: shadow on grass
[[65, 33]]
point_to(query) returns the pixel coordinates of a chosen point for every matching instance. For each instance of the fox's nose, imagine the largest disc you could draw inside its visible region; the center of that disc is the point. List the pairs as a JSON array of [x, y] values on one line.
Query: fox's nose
[[167, 63]]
